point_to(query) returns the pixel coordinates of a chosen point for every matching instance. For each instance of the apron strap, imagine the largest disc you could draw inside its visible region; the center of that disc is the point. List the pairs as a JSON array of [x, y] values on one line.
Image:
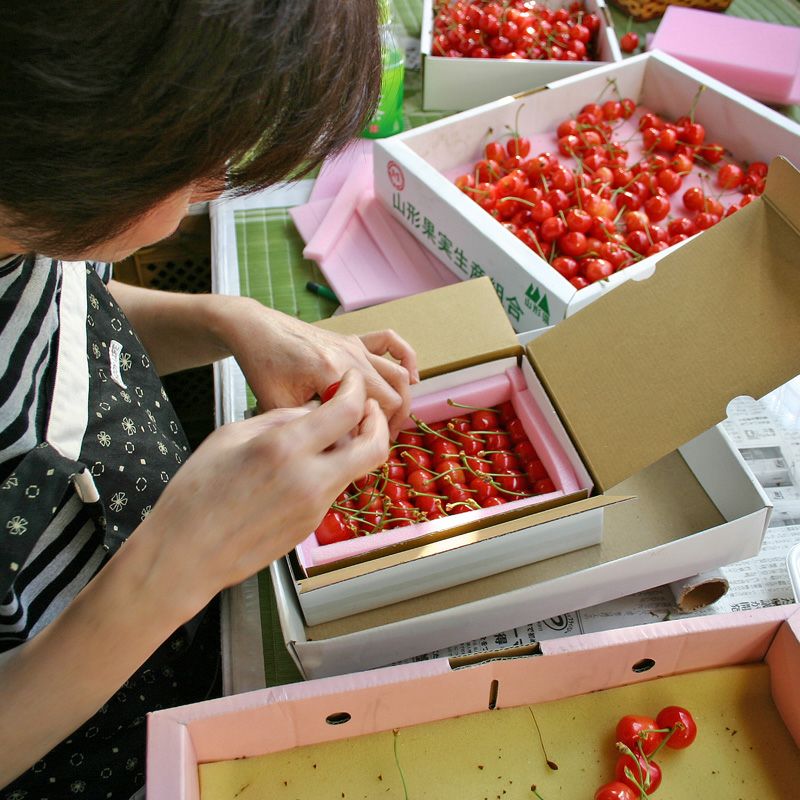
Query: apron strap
[[69, 407]]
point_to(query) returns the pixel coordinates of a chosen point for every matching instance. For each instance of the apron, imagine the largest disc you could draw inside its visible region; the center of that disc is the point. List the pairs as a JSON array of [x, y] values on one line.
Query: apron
[[112, 438]]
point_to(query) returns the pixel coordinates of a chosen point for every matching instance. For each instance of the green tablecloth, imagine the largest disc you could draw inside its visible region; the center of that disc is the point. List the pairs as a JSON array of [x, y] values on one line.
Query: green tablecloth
[[272, 268]]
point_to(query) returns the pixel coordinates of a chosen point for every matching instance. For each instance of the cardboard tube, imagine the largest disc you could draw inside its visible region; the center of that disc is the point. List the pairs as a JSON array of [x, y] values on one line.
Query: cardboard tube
[[699, 591]]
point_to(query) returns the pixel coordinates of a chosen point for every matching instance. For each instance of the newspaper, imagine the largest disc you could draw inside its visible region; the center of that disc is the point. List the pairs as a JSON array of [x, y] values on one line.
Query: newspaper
[[767, 434]]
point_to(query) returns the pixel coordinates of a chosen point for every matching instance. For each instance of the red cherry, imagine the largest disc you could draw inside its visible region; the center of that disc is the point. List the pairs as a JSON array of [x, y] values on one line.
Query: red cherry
[[329, 392], [730, 176], [694, 199], [333, 528], [629, 42], [657, 207], [595, 269]]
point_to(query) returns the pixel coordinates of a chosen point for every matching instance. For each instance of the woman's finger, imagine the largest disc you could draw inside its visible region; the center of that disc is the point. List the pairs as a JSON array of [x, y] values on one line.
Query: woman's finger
[[366, 450], [388, 341], [323, 426], [397, 378]]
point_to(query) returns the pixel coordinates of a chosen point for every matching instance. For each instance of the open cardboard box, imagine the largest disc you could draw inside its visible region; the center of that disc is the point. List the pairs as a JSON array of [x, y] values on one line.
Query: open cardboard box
[[640, 387], [413, 173], [453, 84], [271, 720], [484, 385]]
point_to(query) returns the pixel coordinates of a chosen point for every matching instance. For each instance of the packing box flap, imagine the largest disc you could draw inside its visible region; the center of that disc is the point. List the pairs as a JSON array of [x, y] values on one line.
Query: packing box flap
[[450, 328], [655, 362]]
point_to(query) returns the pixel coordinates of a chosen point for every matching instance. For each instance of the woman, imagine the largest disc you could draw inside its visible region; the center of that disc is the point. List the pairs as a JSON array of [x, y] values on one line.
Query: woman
[[113, 539]]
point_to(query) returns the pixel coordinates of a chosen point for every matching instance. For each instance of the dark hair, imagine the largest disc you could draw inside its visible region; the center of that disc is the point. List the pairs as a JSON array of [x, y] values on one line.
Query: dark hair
[[107, 107]]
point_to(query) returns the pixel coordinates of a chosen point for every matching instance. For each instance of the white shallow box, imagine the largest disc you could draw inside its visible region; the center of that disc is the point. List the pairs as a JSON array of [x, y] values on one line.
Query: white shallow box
[[453, 84], [695, 510], [410, 173], [271, 720]]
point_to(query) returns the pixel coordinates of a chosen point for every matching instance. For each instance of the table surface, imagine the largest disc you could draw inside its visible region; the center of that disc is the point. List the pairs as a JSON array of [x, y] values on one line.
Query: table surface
[[271, 268]]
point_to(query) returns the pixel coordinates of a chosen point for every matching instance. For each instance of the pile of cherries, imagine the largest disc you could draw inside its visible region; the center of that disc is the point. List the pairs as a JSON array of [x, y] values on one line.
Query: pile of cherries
[[514, 29], [639, 738], [591, 209], [478, 459]]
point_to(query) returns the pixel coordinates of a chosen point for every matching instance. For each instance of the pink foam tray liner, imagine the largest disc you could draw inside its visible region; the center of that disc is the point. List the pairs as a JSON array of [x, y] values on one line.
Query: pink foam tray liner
[[760, 59], [485, 392], [366, 256]]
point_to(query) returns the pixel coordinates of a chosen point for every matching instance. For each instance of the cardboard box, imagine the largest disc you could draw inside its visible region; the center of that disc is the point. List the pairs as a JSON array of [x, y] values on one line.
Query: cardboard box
[[453, 84], [359, 574], [270, 720], [414, 172], [484, 385], [640, 390]]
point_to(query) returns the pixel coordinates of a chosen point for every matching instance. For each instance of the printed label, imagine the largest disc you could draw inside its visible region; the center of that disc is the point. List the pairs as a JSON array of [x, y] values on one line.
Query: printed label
[[114, 352]]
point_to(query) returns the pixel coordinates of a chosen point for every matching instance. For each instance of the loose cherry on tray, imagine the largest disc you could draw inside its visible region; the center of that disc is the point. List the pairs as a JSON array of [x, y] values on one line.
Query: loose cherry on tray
[[629, 42]]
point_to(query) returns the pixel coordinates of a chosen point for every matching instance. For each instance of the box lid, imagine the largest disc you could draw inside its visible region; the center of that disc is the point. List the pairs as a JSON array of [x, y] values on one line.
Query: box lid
[[655, 362], [450, 328]]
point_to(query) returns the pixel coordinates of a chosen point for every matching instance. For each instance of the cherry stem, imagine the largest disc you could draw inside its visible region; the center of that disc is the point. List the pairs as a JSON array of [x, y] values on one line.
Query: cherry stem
[[642, 782], [471, 504], [425, 428], [470, 408], [467, 435], [669, 732], [551, 764], [695, 101], [399, 768]]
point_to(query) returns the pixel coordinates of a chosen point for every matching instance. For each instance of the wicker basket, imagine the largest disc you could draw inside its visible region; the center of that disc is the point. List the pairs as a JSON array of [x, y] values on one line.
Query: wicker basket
[[644, 10]]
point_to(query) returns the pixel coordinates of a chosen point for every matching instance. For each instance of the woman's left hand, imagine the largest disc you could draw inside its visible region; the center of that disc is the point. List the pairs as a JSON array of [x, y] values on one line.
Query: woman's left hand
[[288, 362]]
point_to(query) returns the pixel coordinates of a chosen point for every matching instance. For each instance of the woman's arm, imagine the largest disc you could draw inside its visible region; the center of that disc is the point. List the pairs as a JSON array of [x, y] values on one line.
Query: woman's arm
[[179, 331], [250, 493], [286, 362]]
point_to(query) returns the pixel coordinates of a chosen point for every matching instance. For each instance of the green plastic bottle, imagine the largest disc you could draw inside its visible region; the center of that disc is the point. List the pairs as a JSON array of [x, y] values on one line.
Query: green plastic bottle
[[388, 117]]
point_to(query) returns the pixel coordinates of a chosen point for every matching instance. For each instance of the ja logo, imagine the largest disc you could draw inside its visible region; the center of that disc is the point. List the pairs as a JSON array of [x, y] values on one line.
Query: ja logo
[[396, 176], [536, 301]]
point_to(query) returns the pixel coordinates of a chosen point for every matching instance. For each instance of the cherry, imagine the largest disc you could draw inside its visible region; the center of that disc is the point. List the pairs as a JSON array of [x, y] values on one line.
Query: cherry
[[629, 42], [730, 176], [333, 528], [329, 392]]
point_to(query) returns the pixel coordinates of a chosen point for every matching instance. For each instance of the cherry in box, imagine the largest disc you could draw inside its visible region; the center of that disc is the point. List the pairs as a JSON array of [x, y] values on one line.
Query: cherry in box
[[415, 176], [453, 81]]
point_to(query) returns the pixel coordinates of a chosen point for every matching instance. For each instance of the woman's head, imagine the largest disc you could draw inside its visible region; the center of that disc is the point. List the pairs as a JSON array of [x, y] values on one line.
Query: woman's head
[[109, 111]]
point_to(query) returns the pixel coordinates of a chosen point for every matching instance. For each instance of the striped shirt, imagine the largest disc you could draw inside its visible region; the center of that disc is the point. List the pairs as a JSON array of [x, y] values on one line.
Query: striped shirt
[[68, 553]]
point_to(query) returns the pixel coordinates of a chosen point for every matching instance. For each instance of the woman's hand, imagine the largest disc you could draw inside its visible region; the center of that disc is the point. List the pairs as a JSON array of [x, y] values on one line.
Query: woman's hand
[[287, 362], [255, 489]]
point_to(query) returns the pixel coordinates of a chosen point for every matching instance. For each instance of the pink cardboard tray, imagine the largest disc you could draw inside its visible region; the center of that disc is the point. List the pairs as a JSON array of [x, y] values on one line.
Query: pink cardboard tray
[[760, 59], [271, 720], [489, 391]]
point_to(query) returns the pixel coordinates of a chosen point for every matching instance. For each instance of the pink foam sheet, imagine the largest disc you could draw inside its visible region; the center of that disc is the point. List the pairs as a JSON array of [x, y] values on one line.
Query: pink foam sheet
[[308, 217], [434, 407], [760, 59], [365, 255], [341, 210], [335, 170], [411, 267]]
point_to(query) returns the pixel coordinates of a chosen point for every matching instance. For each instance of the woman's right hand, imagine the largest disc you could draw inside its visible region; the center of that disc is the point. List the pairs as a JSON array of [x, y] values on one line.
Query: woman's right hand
[[255, 489]]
